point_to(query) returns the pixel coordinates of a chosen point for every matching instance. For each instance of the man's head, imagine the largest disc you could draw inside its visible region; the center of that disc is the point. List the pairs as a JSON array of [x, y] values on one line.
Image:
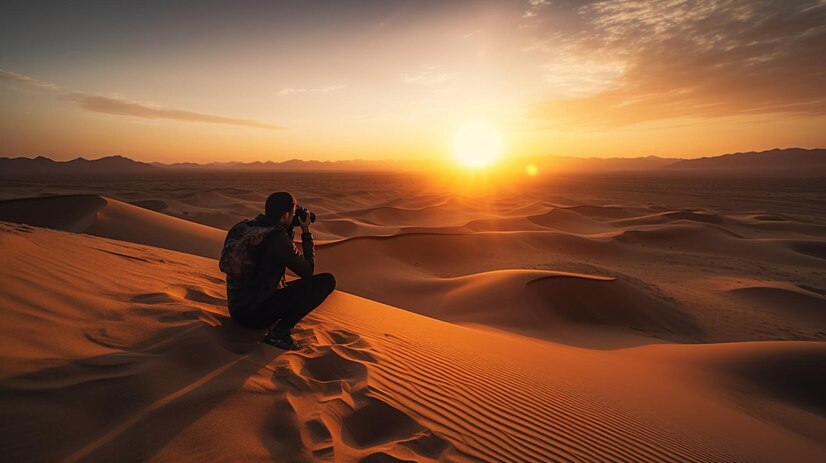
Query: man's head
[[280, 206]]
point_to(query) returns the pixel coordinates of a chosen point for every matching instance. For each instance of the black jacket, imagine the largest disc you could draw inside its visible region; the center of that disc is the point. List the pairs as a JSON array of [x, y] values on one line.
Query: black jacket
[[277, 253]]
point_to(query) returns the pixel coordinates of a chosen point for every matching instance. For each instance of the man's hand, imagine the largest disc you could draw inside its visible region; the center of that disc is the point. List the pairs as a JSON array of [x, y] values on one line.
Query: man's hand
[[305, 224]]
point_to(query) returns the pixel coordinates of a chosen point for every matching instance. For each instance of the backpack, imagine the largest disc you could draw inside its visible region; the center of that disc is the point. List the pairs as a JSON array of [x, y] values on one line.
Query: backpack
[[239, 257]]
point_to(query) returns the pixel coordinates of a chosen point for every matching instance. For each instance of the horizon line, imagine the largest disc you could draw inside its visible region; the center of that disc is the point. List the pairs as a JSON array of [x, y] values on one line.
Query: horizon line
[[332, 161]]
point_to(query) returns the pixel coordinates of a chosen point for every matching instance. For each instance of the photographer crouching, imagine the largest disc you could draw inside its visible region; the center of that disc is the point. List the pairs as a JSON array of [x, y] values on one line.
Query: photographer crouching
[[255, 255]]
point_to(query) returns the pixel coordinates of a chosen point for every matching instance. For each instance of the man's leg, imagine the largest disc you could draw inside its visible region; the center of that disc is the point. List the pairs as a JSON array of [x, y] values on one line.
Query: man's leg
[[297, 299], [301, 296], [292, 302]]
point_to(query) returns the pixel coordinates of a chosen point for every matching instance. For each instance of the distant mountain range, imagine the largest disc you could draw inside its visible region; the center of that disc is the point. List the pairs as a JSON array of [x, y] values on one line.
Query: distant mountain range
[[570, 164], [298, 164], [117, 164], [781, 159], [809, 162], [44, 165]]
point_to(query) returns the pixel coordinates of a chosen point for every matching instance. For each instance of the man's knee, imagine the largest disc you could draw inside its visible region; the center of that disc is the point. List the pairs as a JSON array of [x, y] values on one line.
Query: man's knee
[[327, 282]]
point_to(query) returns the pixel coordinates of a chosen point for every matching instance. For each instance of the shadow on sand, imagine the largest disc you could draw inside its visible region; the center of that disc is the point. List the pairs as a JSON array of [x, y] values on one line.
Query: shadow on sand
[[127, 405]]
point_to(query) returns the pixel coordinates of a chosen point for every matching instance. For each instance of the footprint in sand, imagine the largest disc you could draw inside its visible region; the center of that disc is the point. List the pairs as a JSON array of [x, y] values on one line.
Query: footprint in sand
[[326, 385]]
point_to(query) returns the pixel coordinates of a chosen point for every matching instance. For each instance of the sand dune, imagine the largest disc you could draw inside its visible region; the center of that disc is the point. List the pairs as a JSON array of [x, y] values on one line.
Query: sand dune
[[608, 212], [100, 216], [451, 212], [412, 271], [222, 213], [373, 383], [74, 213], [456, 254], [612, 303], [579, 309], [155, 205], [338, 229], [441, 215], [569, 220], [816, 249], [670, 216], [786, 228], [782, 372], [687, 236], [526, 208], [412, 267], [784, 299], [578, 321]]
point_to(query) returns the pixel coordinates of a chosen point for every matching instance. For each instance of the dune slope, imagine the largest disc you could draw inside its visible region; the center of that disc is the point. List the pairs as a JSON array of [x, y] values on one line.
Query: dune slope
[[110, 218], [127, 350]]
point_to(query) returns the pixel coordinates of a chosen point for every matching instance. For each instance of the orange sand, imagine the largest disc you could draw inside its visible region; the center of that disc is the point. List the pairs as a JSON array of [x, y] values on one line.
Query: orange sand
[[515, 329]]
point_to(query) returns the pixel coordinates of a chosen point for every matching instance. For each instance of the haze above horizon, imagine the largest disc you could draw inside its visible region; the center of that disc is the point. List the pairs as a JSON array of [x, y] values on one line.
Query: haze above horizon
[[207, 81]]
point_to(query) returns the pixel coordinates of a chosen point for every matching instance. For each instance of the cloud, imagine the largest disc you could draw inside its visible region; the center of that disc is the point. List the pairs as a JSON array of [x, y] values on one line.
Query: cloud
[[697, 59], [328, 89], [572, 77], [533, 8], [428, 77], [9, 76], [120, 107]]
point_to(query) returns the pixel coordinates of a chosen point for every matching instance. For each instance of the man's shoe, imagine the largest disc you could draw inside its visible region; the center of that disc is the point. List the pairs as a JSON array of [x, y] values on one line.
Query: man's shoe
[[281, 341]]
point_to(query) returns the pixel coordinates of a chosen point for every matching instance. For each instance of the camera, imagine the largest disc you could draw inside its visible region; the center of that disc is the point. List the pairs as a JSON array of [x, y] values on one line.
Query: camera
[[301, 213]]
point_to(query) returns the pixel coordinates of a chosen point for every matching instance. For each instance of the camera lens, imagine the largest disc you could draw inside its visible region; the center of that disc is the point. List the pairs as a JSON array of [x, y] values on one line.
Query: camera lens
[[301, 213]]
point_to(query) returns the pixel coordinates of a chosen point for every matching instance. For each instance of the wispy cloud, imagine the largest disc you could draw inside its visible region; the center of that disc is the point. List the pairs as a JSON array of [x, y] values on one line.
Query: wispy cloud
[[533, 8], [121, 107], [569, 76], [428, 76], [9, 76], [698, 58], [291, 90]]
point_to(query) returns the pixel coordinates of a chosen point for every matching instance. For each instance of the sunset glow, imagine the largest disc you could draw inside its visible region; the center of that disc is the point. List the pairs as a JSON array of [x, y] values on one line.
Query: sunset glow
[[477, 145], [361, 231], [393, 80]]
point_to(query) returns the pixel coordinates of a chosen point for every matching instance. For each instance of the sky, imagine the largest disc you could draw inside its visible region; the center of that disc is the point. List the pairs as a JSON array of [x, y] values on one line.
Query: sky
[[242, 81]]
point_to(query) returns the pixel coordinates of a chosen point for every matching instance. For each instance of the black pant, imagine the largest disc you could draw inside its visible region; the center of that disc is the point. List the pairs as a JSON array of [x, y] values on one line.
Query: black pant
[[290, 304]]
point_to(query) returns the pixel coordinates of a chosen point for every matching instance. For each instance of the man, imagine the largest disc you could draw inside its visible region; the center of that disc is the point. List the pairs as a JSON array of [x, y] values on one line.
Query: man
[[261, 298]]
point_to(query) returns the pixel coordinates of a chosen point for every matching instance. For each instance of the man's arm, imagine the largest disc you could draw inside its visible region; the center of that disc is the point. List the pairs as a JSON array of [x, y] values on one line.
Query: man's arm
[[284, 250]]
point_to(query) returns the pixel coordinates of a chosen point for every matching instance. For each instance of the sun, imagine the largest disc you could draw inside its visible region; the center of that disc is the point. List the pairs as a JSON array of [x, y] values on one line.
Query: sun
[[477, 145]]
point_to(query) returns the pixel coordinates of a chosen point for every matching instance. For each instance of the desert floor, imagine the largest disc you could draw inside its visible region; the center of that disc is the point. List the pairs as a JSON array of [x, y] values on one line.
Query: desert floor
[[583, 319]]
